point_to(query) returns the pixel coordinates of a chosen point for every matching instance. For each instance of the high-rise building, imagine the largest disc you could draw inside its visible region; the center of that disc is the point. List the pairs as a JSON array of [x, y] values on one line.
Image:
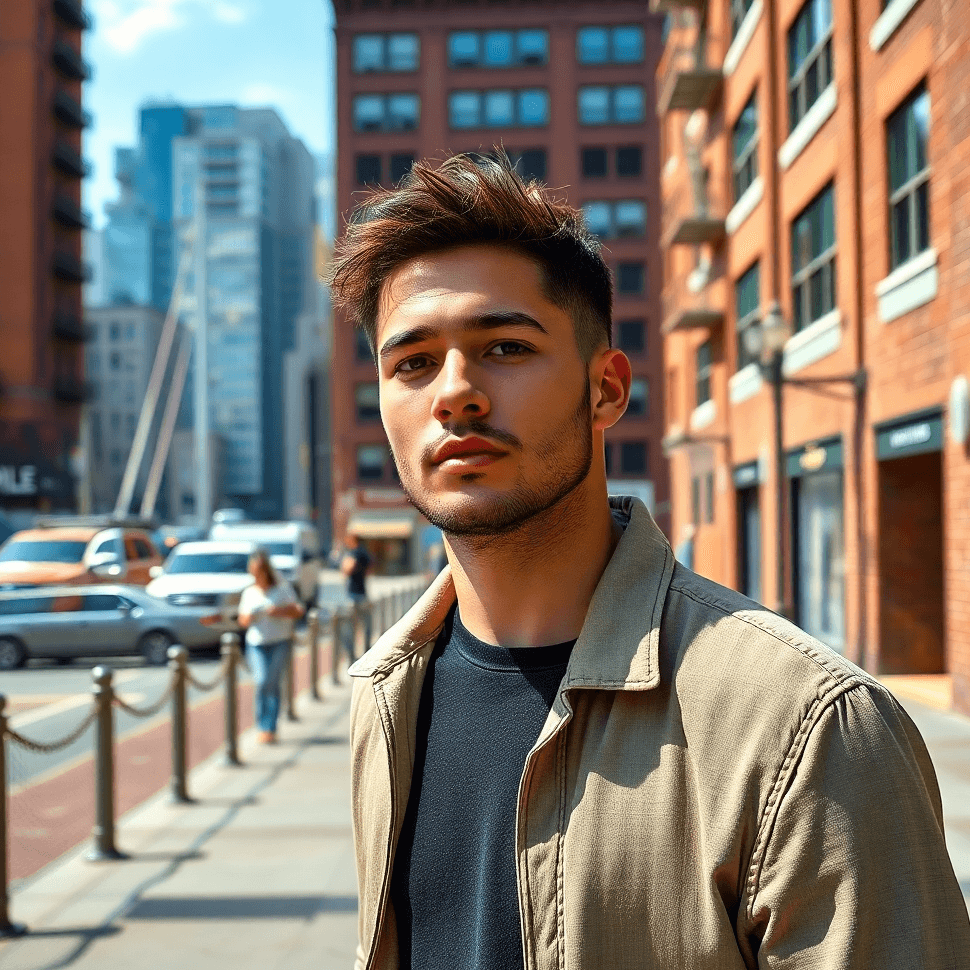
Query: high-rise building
[[568, 89], [816, 232], [41, 273]]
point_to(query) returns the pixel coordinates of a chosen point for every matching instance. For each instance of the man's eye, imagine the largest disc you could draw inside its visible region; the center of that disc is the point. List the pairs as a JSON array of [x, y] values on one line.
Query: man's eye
[[510, 348], [412, 364]]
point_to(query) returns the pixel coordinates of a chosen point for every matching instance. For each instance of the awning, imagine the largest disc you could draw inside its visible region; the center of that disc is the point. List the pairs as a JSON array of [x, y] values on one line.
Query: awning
[[391, 527]]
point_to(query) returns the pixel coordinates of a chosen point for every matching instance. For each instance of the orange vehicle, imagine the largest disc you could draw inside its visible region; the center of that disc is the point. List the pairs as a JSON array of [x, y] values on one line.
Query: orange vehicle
[[77, 555]]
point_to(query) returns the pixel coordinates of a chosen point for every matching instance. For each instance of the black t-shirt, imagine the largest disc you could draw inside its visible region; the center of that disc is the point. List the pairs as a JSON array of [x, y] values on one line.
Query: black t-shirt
[[355, 579], [453, 887]]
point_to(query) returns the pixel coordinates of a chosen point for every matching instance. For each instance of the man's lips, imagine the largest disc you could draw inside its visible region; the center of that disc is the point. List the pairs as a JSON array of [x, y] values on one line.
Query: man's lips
[[466, 451]]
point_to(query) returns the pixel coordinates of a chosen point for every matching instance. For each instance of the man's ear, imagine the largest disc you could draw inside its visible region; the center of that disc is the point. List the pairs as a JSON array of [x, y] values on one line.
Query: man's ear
[[610, 376]]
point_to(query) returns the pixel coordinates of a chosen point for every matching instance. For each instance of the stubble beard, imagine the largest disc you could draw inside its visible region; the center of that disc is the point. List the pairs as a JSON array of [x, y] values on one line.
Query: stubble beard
[[564, 459]]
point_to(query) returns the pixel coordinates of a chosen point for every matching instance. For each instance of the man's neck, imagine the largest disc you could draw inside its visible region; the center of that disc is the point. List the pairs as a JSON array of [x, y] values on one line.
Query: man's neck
[[533, 587]]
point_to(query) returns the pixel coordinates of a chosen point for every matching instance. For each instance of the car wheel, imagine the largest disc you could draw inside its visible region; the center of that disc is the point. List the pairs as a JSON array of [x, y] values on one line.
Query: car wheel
[[154, 647], [12, 654]]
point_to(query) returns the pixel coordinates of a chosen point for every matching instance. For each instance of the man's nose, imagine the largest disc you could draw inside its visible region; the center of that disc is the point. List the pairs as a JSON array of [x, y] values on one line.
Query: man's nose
[[459, 396]]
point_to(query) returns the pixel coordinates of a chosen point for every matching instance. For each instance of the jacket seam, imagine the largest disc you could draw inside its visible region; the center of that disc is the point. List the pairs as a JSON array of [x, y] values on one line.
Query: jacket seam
[[386, 666], [523, 863], [560, 862], [820, 706]]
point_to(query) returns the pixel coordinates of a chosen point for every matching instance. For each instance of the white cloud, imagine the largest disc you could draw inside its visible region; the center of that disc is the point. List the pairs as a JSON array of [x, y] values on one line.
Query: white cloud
[[261, 93], [126, 24]]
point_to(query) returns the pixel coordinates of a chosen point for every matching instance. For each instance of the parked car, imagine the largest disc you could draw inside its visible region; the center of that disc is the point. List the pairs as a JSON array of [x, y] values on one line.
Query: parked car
[[95, 621], [167, 537], [293, 547], [77, 555], [208, 575]]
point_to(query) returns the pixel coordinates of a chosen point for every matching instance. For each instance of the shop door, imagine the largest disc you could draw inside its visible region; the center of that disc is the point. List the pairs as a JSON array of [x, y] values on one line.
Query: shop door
[[911, 623], [819, 557], [749, 543]]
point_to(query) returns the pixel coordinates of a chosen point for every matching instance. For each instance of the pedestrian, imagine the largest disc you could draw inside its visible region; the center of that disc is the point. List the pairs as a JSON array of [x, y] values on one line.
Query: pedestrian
[[268, 610], [574, 752], [355, 565]]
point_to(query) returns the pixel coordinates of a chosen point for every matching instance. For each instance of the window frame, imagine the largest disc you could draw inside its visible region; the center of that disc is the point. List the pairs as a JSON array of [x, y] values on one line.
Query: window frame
[[628, 264], [739, 10], [612, 116], [385, 52], [744, 163], [587, 152], [626, 448], [641, 326], [796, 81], [517, 56], [909, 192], [702, 373], [639, 155], [359, 415], [518, 96], [801, 279], [644, 412], [610, 55], [358, 158], [742, 323]]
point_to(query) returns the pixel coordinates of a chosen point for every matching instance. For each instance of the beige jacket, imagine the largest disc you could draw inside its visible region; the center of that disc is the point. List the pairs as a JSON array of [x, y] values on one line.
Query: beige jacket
[[712, 789]]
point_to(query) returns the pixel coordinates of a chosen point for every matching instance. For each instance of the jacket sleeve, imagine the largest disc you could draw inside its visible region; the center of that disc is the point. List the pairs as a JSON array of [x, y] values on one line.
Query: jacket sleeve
[[851, 870]]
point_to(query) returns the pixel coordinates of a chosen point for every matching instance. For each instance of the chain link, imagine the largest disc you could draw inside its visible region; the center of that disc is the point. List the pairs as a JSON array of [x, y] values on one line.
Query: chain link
[[147, 711], [48, 747], [207, 685]]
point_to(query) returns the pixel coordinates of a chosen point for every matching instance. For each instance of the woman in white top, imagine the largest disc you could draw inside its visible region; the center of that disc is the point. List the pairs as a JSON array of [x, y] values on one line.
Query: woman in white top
[[267, 611]]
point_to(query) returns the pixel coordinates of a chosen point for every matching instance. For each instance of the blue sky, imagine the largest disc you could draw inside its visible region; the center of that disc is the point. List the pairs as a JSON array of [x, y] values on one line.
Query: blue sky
[[249, 52]]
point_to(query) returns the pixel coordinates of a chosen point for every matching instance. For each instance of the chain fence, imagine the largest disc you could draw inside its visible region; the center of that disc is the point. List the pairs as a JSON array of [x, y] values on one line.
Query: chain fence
[[49, 747]]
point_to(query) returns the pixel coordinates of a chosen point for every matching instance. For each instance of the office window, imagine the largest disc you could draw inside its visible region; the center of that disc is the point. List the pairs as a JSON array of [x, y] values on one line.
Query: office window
[[630, 336], [530, 163], [907, 134], [367, 401], [739, 9], [371, 461], [702, 369], [809, 58], [744, 145], [386, 112], [630, 278], [709, 496], [747, 310], [498, 48], [639, 405], [527, 108], [385, 52], [400, 166], [606, 45], [633, 458], [629, 161], [594, 162], [695, 500], [362, 347], [602, 105], [813, 260], [625, 219], [368, 169]]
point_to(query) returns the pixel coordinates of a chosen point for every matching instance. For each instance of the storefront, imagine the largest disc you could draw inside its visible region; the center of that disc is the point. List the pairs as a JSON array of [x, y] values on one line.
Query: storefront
[[818, 540], [747, 485], [909, 450]]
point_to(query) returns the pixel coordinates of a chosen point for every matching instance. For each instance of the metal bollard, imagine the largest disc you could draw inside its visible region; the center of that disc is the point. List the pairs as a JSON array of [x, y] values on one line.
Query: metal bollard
[[313, 636], [7, 928], [230, 654], [177, 657], [103, 832], [335, 644], [288, 686]]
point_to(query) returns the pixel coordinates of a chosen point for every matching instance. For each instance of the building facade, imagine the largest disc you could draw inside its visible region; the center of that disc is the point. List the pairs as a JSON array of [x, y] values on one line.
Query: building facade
[[817, 330], [567, 88], [41, 272]]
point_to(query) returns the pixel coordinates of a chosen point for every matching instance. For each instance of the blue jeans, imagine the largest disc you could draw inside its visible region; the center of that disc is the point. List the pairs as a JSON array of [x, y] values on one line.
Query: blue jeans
[[266, 662]]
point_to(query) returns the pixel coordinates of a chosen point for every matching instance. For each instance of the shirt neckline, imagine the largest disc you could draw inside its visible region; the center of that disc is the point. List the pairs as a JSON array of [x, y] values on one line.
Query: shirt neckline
[[506, 659]]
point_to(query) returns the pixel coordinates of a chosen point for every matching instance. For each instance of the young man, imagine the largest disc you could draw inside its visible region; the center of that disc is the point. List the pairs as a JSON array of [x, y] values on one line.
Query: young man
[[574, 753]]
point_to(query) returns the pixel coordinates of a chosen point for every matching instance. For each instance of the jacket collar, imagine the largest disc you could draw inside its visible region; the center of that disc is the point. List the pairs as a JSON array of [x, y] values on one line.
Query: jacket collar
[[619, 644]]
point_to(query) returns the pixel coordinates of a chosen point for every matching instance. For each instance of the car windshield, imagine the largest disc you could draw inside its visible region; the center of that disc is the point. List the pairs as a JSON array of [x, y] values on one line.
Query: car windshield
[[207, 562], [47, 550], [279, 548]]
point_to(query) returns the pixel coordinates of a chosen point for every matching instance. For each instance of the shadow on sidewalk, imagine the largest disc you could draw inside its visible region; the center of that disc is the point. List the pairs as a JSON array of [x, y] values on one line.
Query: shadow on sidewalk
[[241, 907]]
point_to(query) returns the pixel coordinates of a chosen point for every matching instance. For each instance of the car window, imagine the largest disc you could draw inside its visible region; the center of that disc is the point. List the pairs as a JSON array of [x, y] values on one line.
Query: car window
[[42, 550], [109, 545], [98, 602], [207, 562], [279, 548], [24, 605], [131, 550], [145, 551], [65, 604]]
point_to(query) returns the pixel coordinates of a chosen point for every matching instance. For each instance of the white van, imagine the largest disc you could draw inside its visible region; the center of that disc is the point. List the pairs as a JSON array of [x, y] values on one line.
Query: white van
[[293, 547]]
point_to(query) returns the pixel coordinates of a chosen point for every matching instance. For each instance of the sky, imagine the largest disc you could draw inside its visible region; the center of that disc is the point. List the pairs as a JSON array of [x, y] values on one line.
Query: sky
[[254, 53]]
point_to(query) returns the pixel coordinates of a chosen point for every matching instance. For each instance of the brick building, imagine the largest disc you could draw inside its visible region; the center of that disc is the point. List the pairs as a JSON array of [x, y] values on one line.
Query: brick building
[[814, 159], [41, 373], [567, 88]]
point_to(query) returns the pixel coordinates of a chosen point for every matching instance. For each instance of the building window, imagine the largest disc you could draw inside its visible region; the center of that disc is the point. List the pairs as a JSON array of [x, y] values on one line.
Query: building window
[[594, 163], [368, 169], [114, 331], [744, 145], [367, 401], [498, 48], [709, 496], [702, 366], [809, 58], [639, 405], [747, 309], [630, 336], [602, 105], [609, 45], [739, 9], [526, 108], [907, 134], [115, 422], [629, 161], [386, 112], [400, 165], [530, 164], [630, 278], [386, 52], [624, 219], [633, 458], [695, 500], [813, 260], [371, 462], [115, 360], [362, 347]]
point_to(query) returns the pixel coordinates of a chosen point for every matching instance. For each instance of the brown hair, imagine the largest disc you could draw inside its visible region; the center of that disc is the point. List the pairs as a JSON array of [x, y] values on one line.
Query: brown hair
[[260, 557], [467, 200]]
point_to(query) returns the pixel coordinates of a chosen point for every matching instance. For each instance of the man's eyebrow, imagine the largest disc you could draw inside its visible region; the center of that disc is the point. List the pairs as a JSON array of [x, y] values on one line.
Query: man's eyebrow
[[487, 321]]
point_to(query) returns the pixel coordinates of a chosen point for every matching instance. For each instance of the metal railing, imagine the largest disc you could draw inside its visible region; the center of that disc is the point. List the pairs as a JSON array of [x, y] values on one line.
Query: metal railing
[[377, 615]]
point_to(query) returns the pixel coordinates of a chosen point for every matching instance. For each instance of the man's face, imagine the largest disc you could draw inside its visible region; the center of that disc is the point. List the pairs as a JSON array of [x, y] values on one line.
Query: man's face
[[484, 395]]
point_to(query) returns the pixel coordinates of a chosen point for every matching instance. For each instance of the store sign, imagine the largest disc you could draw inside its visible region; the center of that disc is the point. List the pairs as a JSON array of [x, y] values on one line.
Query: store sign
[[913, 437], [815, 457], [746, 476], [18, 480], [812, 459]]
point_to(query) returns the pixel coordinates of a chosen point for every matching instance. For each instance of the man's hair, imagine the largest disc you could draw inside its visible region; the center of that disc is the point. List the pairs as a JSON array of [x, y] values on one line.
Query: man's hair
[[466, 201]]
